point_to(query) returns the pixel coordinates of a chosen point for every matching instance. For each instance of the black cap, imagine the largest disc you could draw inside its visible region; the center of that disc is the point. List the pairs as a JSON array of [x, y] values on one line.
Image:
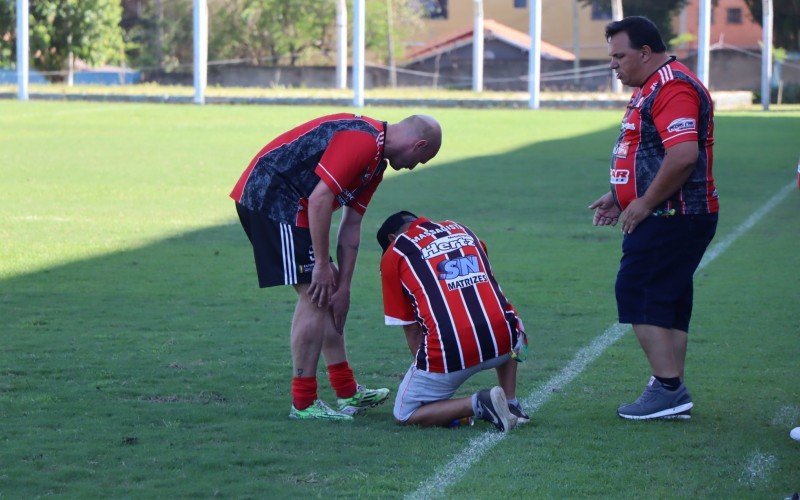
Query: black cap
[[391, 225]]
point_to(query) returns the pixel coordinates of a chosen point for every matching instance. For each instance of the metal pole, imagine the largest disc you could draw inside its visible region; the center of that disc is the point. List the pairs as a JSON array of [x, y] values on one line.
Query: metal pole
[[477, 48], [200, 18], [576, 42], [703, 41], [341, 44], [534, 52], [23, 50], [359, 16], [766, 54], [616, 15]]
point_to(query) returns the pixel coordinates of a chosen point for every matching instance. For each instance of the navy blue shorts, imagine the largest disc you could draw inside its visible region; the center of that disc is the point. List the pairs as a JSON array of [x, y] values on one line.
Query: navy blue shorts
[[654, 282]]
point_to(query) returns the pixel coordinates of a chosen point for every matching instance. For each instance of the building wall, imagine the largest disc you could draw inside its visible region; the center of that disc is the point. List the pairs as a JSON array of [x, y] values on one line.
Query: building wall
[[557, 25], [747, 34]]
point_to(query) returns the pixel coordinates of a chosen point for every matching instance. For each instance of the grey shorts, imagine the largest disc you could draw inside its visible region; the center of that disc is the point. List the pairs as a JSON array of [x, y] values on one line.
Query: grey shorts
[[420, 387]]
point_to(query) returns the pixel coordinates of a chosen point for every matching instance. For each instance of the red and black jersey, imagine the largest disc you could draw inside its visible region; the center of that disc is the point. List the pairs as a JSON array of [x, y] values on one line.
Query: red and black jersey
[[671, 107], [345, 151], [437, 274]]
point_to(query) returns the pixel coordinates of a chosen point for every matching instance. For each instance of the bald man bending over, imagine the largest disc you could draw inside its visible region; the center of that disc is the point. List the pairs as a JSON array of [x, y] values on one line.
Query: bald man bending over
[[285, 199]]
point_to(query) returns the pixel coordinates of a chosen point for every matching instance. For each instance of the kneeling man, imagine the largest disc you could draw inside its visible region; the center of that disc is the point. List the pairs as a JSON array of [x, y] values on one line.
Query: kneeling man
[[438, 284]]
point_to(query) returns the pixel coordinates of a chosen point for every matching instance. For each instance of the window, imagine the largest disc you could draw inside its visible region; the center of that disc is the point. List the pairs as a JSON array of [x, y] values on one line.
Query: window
[[434, 9], [601, 12], [734, 16], [520, 4]]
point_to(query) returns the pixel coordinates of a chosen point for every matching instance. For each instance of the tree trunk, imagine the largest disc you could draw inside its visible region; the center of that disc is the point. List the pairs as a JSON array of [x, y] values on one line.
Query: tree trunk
[[160, 33], [390, 44]]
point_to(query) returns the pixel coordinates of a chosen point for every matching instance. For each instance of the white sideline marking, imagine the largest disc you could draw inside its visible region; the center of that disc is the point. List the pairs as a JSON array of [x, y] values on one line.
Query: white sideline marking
[[758, 467], [786, 416], [457, 467]]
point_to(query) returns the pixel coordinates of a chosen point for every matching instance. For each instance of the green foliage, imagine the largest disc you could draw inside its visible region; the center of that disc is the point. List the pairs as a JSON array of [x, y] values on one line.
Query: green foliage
[[89, 29], [682, 38], [406, 20], [271, 32], [785, 24], [274, 32], [660, 12], [160, 35], [8, 49], [790, 94]]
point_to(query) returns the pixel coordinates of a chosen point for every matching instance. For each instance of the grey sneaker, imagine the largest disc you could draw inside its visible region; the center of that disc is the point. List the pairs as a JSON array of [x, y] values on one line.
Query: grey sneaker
[[517, 411], [658, 402], [494, 409]]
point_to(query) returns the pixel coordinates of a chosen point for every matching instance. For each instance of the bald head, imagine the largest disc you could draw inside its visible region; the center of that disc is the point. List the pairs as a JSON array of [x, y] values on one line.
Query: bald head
[[415, 139], [426, 127]]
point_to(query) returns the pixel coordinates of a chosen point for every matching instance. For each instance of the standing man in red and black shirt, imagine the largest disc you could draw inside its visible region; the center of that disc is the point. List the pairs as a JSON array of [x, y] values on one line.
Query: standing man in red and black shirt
[[438, 284], [663, 195], [285, 199]]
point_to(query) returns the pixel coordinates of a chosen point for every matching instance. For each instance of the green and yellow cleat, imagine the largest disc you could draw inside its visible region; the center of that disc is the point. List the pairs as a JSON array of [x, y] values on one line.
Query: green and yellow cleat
[[362, 400], [319, 410]]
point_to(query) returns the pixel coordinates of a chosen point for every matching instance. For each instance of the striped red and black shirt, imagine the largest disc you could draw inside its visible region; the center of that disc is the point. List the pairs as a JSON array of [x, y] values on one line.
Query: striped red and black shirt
[[345, 151], [671, 107], [437, 274]]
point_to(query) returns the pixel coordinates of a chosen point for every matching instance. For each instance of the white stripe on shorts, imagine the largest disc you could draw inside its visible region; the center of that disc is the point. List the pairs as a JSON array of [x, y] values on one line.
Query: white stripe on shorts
[[287, 247]]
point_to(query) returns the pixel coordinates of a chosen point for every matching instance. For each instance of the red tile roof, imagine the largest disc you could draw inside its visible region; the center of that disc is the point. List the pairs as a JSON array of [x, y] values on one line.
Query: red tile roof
[[491, 29]]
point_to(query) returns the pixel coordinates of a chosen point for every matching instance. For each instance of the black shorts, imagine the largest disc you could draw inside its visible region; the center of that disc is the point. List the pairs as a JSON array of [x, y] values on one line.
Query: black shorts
[[654, 283], [283, 252]]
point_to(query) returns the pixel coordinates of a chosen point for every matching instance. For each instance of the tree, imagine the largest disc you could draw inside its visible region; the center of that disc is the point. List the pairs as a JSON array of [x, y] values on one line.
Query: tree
[[786, 21], [7, 34], [277, 32], [271, 31], [87, 29], [384, 27], [158, 33], [661, 12]]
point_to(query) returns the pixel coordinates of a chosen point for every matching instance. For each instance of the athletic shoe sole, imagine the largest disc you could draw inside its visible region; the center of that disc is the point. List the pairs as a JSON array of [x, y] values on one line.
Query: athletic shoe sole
[[666, 414], [684, 415], [500, 410]]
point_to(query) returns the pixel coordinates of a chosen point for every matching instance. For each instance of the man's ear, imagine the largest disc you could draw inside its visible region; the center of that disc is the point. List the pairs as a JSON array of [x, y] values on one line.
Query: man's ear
[[421, 144], [391, 237], [647, 52]]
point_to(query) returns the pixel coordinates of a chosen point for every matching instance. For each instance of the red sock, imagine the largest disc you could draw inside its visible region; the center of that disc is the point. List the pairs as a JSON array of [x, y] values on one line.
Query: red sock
[[304, 391], [342, 381]]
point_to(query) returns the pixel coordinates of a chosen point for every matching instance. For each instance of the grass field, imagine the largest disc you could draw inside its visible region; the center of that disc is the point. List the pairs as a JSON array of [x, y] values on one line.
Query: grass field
[[139, 359]]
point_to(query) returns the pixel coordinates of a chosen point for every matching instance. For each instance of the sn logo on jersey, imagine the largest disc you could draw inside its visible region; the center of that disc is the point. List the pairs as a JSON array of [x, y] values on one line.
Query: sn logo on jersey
[[461, 272], [461, 266], [619, 176]]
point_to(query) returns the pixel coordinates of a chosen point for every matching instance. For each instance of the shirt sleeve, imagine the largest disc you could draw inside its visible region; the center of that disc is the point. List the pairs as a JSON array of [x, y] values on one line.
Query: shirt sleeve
[[347, 156], [396, 306], [364, 197], [676, 111]]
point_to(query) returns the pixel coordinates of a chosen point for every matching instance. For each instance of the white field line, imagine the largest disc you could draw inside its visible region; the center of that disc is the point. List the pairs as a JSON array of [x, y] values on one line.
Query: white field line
[[456, 468], [757, 468]]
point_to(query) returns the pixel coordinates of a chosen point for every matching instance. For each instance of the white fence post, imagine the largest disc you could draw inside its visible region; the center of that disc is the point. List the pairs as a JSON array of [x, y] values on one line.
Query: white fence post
[[200, 19], [23, 50]]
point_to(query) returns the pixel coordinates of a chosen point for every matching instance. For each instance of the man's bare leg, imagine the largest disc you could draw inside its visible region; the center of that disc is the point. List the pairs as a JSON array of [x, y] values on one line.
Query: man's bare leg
[[657, 344], [441, 413], [307, 334], [680, 341]]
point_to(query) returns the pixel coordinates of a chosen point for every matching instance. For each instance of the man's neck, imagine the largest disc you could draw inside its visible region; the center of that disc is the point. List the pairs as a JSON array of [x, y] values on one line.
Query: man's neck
[[655, 64]]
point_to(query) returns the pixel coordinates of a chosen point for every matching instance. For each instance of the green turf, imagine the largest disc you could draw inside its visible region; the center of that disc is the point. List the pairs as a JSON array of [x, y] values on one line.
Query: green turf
[[139, 359]]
